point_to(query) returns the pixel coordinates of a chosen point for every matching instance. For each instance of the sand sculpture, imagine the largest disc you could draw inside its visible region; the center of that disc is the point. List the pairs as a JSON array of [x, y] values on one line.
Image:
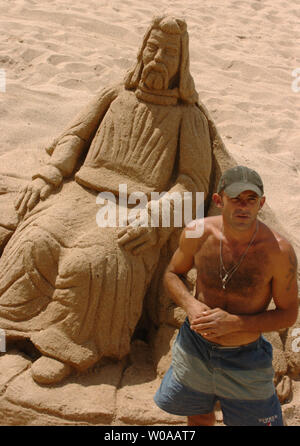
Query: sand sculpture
[[78, 291], [74, 289]]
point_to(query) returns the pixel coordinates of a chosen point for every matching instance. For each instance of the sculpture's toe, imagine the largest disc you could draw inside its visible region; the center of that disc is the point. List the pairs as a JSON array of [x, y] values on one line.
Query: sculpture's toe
[[49, 371]]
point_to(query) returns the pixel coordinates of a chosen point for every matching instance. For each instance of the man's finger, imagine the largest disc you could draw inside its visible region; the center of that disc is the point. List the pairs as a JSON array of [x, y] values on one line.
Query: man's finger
[[201, 327], [213, 310], [203, 319], [209, 335]]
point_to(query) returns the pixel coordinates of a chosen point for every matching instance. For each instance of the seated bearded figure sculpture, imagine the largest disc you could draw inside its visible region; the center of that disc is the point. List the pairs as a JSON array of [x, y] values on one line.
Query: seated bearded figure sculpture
[[73, 288]]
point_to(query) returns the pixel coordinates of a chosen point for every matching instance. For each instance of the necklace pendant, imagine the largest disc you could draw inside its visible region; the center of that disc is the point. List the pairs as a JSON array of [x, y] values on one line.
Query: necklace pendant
[[224, 280], [233, 269]]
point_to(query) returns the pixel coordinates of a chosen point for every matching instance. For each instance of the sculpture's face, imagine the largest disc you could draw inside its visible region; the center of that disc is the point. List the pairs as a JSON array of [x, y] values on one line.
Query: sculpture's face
[[161, 58]]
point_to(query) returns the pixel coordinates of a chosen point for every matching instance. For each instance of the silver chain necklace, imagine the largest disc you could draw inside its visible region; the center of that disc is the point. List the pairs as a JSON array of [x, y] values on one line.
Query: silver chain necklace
[[232, 270]]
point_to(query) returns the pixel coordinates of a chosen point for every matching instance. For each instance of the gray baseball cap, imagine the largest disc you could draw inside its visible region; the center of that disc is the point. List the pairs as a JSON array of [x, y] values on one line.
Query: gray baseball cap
[[236, 180]]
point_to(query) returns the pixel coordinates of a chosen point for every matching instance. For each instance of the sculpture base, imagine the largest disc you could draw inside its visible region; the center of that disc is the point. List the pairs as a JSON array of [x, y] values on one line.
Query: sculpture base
[[115, 393]]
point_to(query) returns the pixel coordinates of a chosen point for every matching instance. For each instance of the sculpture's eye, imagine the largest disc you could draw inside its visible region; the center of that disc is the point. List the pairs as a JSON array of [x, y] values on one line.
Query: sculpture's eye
[[151, 47], [171, 52]]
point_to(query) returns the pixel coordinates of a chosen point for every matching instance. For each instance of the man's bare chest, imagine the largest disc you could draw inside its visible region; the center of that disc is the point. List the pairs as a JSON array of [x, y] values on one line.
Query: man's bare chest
[[247, 282]]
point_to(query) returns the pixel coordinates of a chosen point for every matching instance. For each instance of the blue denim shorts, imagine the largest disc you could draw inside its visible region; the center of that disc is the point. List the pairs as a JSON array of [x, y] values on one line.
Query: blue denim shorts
[[202, 372]]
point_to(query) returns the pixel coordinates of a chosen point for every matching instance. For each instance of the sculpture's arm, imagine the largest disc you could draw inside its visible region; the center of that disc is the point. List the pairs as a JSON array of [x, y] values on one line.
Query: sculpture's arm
[[193, 172], [194, 164], [76, 139], [65, 152]]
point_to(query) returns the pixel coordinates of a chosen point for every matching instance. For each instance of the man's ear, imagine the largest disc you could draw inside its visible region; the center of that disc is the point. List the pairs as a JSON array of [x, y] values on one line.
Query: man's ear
[[262, 202], [218, 200]]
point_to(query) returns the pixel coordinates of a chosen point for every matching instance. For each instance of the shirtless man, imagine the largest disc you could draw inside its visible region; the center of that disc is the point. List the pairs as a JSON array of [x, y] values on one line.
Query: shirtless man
[[219, 353]]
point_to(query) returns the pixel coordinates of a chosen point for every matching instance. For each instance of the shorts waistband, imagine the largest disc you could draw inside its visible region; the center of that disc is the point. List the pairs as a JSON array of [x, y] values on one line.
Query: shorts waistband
[[215, 346], [231, 347]]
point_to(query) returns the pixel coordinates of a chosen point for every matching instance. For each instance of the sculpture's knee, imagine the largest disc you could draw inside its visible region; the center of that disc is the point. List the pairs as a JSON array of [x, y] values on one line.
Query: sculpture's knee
[[38, 241], [5, 235], [40, 252], [74, 269]]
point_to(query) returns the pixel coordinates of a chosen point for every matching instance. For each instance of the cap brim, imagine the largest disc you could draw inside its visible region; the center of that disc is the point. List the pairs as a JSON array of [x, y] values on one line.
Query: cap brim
[[236, 189]]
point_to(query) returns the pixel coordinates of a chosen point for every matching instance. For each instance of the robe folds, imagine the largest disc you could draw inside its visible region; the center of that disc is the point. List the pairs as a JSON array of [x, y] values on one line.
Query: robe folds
[[66, 283]]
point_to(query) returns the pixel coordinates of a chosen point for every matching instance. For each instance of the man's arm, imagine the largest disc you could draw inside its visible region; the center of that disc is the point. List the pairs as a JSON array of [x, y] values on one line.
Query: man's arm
[[218, 322], [182, 262], [285, 296]]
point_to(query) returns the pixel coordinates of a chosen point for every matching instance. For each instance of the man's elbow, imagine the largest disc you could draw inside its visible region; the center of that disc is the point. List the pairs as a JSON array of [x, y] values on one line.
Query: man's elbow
[[292, 315], [167, 277]]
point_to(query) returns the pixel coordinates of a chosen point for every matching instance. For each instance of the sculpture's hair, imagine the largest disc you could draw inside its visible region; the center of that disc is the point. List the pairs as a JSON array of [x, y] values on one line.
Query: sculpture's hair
[[169, 25]]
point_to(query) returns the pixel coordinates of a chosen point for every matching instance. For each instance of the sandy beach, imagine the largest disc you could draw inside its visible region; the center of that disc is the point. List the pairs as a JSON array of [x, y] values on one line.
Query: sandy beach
[[55, 55]]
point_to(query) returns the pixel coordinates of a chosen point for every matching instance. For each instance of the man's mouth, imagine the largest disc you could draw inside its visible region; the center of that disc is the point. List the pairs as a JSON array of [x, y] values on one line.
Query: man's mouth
[[244, 216]]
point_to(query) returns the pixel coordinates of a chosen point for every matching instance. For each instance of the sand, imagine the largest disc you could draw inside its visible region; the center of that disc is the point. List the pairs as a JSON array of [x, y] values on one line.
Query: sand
[[56, 55]]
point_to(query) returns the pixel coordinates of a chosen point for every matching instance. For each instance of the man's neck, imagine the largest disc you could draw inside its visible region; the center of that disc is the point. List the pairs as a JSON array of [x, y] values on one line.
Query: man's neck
[[238, 236]]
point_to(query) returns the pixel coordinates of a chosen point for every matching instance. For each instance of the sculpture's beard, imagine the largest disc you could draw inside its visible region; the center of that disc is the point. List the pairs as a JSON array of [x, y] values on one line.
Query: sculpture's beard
[[155, 76]]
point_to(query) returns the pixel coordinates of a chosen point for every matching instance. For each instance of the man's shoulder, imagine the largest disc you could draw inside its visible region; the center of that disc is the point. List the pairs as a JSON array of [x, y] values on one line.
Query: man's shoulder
[[278, 245], [202, 227]]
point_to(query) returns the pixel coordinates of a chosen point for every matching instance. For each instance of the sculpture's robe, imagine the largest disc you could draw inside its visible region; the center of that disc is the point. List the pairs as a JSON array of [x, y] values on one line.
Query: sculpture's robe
[[65, 283]]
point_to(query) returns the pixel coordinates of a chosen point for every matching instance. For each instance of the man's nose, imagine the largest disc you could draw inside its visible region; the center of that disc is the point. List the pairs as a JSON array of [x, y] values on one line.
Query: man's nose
[[243, 203]]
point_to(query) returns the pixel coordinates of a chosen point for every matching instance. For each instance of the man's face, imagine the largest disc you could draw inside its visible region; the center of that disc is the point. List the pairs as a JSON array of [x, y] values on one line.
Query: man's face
[[161, 58], [241, 211]]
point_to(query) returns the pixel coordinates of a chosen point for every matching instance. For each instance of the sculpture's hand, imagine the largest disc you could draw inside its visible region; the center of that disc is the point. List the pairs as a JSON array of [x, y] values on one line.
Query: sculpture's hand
[[38, 189], [137, 239]]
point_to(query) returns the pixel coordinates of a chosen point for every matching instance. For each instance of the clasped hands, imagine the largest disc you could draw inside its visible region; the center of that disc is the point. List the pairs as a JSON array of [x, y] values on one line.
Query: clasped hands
[[213, 323]]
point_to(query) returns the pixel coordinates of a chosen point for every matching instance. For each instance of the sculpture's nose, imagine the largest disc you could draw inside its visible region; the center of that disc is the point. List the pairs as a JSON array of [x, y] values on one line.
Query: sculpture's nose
[[159, 55]]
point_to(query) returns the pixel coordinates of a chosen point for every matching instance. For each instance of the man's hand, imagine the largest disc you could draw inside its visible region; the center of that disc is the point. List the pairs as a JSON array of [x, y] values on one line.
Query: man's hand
[[31, 194], [195, 310], [216, 322]]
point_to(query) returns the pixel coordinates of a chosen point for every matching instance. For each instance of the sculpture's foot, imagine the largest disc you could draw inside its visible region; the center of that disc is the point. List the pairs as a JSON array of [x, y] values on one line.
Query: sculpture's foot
[[49, 371]]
